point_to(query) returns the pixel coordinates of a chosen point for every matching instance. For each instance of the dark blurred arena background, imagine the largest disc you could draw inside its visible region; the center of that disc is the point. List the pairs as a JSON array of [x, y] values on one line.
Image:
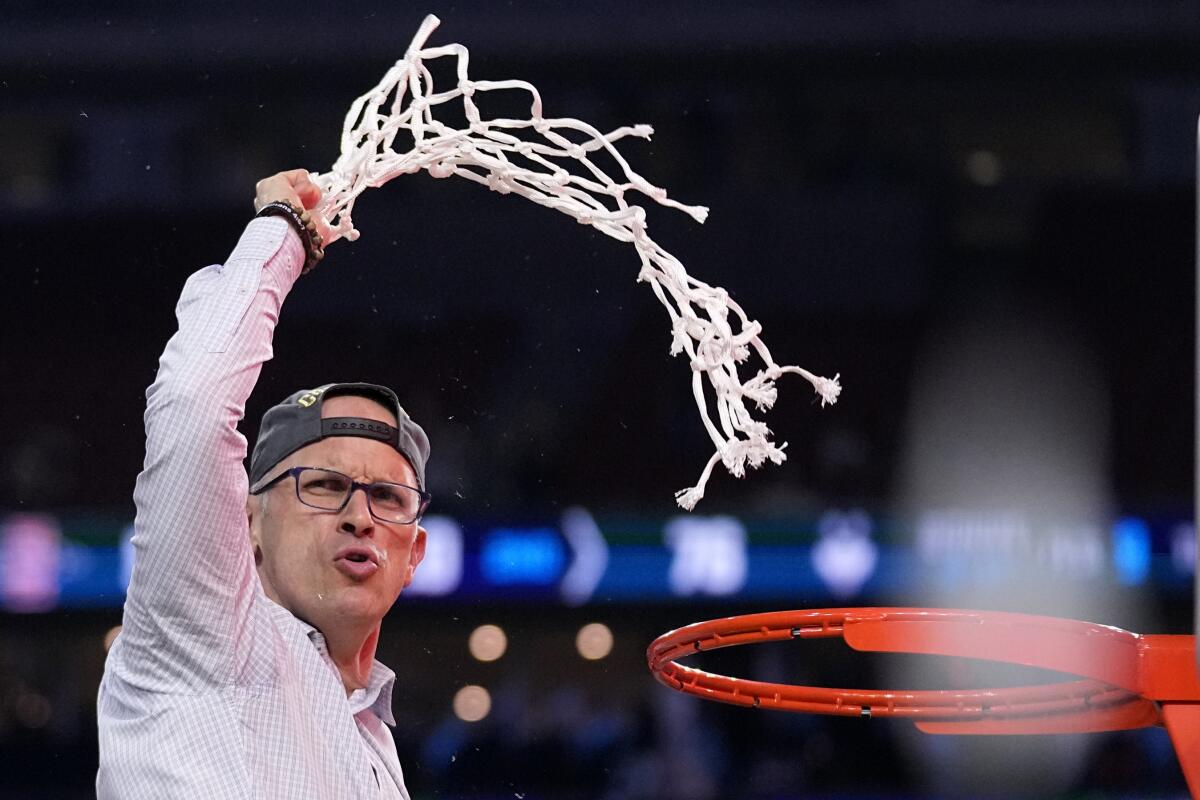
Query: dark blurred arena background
[[981, 214]]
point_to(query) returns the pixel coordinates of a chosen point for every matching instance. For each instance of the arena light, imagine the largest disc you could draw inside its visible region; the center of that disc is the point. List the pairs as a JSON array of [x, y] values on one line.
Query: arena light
[[441, 571], [594, 641], [33, 710], [529, 556], [30, 554], [487, 642], [983, 168], [472, 703]]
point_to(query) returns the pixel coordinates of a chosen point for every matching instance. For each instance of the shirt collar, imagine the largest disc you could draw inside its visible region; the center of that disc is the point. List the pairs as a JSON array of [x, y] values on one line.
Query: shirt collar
[[376, 695]]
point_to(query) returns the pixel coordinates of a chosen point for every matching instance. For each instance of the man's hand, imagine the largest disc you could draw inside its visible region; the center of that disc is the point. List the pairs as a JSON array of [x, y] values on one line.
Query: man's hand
[[297, 188]]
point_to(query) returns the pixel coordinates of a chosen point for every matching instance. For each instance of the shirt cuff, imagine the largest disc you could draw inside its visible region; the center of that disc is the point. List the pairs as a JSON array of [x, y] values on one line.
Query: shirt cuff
[[267, 238]]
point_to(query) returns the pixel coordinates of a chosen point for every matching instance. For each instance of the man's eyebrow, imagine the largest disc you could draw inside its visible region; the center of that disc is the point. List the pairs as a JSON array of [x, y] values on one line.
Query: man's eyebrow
[[404, 480]]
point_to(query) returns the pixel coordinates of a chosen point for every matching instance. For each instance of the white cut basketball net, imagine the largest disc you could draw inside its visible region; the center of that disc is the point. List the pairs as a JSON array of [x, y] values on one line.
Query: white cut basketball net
[[489, 152]]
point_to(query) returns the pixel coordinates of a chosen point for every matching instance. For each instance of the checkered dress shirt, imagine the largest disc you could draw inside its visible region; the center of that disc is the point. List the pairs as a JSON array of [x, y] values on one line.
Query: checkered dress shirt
[[211, 690]]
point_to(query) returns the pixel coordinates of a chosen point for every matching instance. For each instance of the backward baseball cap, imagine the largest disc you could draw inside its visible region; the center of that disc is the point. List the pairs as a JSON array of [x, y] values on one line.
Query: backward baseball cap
[[297, 422]]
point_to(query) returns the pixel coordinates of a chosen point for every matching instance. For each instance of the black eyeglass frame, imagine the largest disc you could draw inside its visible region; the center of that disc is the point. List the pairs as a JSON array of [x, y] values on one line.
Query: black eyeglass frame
[[294, 472]]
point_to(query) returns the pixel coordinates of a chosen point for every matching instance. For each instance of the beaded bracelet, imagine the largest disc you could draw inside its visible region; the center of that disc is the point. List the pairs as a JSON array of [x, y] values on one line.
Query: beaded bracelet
[[302, 222]]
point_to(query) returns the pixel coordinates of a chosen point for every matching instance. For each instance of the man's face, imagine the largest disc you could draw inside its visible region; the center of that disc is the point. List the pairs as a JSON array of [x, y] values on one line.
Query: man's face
[[298, 549]]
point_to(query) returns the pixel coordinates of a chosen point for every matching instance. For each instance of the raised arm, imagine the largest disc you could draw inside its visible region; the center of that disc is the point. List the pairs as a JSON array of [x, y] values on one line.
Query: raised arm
[[194, 579]]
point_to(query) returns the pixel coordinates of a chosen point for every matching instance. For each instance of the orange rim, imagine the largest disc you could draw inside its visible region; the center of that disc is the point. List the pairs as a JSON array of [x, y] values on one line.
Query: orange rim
[[1108, 662]]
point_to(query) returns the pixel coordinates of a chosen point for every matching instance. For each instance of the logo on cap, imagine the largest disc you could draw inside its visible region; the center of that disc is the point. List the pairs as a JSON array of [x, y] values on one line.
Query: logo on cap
[[308, 398]]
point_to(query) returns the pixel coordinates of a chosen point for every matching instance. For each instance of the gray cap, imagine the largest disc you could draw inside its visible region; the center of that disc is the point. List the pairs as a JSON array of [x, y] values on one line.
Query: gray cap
[[297, 422]]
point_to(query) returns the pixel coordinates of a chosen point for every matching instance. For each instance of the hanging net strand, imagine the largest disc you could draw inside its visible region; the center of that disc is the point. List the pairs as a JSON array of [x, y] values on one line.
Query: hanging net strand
[[550, 161]]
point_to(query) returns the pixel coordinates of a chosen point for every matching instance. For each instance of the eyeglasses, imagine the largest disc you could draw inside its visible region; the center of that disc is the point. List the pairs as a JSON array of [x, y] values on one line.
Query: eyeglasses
[[328, 490]]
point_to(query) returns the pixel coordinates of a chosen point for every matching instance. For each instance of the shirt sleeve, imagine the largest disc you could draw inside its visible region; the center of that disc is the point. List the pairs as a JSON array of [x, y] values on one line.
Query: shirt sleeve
[[194, 581]]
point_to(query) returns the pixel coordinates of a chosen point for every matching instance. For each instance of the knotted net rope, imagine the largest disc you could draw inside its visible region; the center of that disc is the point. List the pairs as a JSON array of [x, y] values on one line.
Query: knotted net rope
[[558, 172]]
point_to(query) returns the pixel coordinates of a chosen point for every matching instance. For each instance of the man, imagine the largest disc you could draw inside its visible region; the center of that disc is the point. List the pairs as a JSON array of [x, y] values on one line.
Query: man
[[245, 667]]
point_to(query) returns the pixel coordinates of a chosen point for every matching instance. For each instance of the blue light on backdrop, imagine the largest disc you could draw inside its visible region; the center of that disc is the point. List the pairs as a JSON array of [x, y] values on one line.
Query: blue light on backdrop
[[49, 562]]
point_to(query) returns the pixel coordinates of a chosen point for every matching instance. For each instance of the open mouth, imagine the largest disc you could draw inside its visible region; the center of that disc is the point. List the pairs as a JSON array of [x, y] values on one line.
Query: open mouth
[[358, 554], [356, 564]]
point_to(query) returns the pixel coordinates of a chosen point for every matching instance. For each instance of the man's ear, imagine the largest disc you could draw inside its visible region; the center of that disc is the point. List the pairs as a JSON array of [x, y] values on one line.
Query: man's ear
[[415, 556], [255, 506]]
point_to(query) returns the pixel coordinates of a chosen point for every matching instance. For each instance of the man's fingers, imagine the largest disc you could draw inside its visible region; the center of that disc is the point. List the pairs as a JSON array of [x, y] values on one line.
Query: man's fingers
[[276, 187], [294, 186], [308, 192], [298, 188]]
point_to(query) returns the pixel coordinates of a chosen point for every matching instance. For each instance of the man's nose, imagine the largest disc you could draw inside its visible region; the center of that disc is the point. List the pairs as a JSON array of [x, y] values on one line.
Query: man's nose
[[356, 515]]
